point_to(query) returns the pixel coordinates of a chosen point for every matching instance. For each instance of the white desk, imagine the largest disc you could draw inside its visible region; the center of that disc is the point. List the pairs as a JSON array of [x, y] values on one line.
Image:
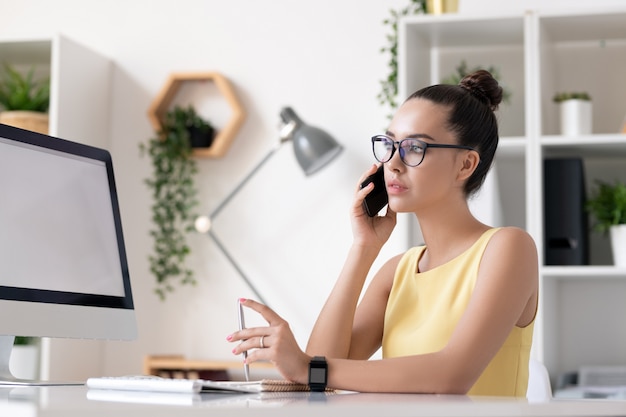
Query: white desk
[[78, 401]]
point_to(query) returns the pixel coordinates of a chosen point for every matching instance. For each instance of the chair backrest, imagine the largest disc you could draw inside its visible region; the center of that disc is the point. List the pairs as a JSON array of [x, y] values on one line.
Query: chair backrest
[[539, 388]]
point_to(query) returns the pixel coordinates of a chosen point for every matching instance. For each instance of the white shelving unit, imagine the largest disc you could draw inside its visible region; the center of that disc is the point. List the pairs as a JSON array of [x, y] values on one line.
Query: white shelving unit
[[80, 84], [582, 309], [80, 88]]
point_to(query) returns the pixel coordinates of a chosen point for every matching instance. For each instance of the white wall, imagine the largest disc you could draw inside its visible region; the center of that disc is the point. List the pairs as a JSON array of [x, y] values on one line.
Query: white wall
[[288, 232]]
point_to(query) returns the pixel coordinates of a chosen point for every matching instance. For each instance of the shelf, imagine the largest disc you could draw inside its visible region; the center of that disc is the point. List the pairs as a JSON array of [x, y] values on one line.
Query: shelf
[[19, 52], [430, 48], [583, 52], [584, 26], [539, 53], [601, 145], [177, 366], [81, 82], [583, 272], [454, 31], [161, 105]]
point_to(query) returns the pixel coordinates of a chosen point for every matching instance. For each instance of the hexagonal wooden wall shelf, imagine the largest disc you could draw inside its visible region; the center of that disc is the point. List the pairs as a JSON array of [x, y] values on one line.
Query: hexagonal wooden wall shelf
[[226, 134]]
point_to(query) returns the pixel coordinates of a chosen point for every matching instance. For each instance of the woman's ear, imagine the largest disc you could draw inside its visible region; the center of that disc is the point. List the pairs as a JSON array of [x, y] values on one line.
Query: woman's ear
[[469, 163]]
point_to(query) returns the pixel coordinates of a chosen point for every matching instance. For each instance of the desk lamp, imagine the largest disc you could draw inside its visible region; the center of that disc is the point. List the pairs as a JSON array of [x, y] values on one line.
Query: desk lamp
[[313, 148]]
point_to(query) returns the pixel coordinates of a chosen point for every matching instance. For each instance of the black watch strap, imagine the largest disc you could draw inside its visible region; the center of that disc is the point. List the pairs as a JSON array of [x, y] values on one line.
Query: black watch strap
[[318, 374]]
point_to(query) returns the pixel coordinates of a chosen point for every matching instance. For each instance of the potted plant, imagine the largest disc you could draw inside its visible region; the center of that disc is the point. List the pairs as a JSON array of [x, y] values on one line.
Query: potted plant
[[174, 196], [576, 112], [24, 99], [608, 207], [201, 132], [462, 70], [24, 361]]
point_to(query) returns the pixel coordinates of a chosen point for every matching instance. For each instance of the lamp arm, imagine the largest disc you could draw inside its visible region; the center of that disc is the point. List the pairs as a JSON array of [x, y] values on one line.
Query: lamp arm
[[223, 204], [312, 153], [243, 182], [236, 266]]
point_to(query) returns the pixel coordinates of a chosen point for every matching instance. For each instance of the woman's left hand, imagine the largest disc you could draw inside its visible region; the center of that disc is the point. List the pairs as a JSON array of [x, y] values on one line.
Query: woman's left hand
[[275, 343]]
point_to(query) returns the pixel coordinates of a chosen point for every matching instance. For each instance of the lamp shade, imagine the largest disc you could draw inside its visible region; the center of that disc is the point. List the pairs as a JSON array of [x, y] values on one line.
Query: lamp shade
[[313, 147]]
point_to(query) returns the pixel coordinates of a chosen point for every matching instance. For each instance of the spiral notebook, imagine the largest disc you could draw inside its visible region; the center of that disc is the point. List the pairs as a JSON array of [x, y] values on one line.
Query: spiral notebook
[[264, 385]]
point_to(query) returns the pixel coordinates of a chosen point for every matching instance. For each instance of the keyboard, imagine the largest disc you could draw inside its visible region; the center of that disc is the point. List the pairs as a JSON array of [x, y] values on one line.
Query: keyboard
[[145, 383], [151, 383]]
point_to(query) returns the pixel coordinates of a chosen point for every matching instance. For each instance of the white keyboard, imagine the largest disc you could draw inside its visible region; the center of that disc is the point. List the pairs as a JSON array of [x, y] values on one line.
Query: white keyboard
[[158, 384], [145, 383]]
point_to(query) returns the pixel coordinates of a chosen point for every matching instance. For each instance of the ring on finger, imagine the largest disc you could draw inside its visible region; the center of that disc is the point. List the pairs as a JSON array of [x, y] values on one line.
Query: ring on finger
[[262, 344]]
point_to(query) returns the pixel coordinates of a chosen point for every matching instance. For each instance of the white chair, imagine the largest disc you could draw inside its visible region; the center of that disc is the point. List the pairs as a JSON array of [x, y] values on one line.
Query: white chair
[[539, 389]]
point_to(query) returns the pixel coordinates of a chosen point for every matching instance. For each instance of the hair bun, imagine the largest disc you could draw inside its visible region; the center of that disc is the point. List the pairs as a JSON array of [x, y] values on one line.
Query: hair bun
[[484, 87]]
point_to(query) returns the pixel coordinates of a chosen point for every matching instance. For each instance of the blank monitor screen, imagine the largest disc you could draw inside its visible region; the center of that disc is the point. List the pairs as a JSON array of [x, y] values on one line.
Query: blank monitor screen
[[62, 255]]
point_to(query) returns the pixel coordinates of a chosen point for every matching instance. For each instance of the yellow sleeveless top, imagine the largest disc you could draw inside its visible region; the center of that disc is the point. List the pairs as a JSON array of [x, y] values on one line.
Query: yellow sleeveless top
[[424, 308]]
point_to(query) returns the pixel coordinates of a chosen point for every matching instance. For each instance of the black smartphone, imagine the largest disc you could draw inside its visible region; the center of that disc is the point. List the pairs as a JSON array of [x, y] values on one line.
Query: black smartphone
[[377, 198]]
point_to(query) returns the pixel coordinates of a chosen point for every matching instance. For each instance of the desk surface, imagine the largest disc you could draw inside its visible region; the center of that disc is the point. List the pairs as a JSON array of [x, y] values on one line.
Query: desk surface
[[79, 401]]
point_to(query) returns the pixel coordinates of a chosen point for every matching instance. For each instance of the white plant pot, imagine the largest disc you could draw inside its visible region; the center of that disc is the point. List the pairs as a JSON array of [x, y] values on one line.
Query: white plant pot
[[576, 117], [618, 244], [24, 361]]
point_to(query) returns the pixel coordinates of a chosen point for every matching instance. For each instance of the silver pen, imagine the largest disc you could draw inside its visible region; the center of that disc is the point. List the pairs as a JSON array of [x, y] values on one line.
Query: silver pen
[[242, 325]]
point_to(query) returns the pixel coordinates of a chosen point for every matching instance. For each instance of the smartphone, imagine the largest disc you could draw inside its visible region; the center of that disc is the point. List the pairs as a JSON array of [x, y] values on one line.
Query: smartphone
[[377, 198]]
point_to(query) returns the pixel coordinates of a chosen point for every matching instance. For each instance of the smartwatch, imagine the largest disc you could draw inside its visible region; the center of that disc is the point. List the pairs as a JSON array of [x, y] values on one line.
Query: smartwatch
[[318, 374]]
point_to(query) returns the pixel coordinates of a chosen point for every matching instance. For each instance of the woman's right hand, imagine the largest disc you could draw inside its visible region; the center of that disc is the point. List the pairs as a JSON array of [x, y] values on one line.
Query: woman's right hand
[[368, 230]]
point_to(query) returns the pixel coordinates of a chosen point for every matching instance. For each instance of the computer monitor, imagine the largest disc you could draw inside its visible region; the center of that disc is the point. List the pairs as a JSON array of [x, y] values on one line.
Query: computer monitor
[[63, 266]]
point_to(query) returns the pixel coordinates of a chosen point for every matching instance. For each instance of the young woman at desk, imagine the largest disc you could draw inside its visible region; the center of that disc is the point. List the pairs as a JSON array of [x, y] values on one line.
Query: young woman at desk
[[453, 316]]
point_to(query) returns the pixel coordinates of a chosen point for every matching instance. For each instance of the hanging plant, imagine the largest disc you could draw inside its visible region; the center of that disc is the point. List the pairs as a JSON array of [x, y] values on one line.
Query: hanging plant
[[388, 95], [174, 194]]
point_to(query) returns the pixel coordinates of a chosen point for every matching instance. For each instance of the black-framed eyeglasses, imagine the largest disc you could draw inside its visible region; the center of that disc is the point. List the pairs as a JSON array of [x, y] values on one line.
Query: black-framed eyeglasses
[[411, 150]]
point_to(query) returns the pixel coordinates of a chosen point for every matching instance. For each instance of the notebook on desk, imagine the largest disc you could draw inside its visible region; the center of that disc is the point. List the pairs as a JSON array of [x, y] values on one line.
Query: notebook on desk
[[264, 385]]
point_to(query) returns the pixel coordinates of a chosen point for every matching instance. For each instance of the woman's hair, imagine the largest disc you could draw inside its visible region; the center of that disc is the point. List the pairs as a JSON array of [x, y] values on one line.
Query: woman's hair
[[472, 104]]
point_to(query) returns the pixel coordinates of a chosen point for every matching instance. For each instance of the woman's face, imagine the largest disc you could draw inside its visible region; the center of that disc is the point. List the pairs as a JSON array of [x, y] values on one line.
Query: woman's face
[[435, 180]]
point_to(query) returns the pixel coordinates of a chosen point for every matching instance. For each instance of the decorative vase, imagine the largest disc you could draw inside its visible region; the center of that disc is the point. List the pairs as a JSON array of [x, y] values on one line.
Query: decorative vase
[[201, 138], [442, 6], [29, 120], [24, 362], [618, 244], [575, 117]]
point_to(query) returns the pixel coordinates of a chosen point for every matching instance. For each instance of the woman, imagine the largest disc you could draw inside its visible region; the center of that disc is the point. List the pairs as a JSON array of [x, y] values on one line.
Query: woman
[[453, 316]]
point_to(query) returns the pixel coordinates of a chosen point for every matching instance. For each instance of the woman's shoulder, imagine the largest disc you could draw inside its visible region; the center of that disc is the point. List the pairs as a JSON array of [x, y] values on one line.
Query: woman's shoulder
[[511, 245], [513, 235]]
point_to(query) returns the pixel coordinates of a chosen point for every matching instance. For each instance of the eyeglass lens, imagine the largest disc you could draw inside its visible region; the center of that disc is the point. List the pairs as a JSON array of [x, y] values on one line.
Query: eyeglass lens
[[411, 150]]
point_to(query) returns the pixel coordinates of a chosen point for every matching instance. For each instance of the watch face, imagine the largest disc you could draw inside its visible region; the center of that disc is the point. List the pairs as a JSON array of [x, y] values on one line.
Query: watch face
[[317, 376]]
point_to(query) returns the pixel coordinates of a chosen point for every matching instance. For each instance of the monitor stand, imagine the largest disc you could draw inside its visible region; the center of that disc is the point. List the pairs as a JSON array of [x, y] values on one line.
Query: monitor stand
[[7, 378]]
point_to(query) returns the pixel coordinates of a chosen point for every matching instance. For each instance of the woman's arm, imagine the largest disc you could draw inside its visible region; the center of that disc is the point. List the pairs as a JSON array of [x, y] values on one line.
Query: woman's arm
[[332, 334], [357, 334], [505, 296]]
